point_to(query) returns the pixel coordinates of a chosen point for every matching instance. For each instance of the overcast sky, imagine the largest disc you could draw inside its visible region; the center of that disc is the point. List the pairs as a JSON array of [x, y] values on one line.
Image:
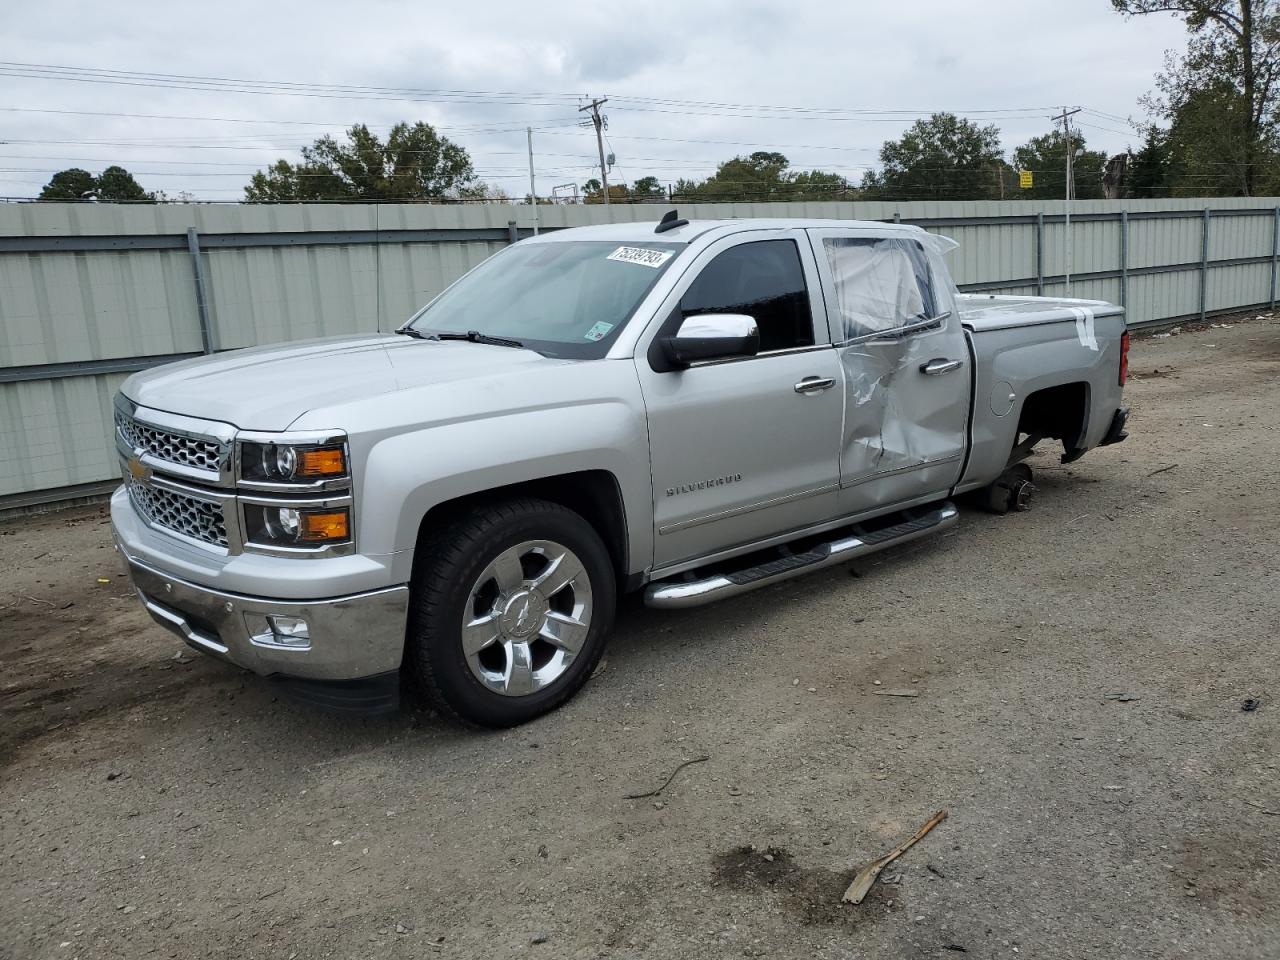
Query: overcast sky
[[1017, 62]]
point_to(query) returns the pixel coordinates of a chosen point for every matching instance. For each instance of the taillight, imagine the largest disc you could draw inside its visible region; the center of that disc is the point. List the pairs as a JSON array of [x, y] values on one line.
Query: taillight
[[1124, 357]]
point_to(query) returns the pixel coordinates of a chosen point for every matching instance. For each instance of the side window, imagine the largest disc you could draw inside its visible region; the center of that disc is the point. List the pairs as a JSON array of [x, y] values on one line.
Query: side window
[[881, 284], [764, 280]]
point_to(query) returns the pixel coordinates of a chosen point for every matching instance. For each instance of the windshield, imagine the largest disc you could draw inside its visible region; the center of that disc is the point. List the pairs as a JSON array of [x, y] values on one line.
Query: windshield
[[563, 299]]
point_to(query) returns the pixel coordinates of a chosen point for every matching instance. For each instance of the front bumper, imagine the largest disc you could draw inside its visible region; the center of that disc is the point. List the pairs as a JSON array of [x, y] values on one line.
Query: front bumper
[[350, 637]]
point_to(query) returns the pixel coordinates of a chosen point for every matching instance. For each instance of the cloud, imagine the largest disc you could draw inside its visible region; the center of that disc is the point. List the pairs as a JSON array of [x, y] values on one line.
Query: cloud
[[1019, 60]]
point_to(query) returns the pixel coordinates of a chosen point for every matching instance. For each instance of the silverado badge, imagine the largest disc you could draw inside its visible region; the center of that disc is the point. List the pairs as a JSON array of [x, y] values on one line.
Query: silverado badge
[[703, 484]]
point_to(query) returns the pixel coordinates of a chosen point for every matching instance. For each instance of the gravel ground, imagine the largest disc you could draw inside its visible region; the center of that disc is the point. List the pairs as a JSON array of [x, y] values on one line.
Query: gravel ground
[[1077, 676]]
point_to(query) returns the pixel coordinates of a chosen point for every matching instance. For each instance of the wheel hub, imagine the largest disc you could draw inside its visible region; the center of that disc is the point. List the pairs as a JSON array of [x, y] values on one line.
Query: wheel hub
[[526, 617], [522, 614]]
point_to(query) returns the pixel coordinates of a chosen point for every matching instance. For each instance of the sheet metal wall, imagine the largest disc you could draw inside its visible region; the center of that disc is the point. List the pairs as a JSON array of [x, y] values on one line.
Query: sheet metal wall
[[88, 291]]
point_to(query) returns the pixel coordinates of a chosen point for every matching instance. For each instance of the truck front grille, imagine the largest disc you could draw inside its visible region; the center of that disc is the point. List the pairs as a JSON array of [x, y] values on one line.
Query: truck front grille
[[170, 447], [190, 516]]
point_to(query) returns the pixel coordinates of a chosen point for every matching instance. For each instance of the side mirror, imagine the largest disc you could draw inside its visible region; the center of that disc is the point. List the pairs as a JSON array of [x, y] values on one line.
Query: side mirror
[[713, 336]]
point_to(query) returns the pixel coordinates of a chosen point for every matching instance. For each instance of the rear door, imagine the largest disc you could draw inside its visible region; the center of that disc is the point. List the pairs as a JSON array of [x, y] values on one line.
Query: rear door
[[906, 367], [746, 448]]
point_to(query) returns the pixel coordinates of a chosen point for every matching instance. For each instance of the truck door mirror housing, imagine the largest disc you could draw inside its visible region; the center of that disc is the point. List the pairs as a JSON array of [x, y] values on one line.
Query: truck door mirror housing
[[712, 336]]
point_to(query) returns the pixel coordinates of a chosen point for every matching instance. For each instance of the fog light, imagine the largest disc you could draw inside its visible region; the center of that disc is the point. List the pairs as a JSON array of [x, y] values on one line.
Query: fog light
[[290, 631]]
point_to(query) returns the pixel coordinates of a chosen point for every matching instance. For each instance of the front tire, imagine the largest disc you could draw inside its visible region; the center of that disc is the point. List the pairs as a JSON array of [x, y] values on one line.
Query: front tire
[[511, 608]]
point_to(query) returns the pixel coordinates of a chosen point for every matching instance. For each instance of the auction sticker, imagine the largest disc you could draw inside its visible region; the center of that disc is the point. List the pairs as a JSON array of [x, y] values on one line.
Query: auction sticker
[[598, 332], [641, 255]]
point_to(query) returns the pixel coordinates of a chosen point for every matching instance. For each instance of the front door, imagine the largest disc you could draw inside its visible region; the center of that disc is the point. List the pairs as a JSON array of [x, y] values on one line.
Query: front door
[[746, 448], [906, 367]]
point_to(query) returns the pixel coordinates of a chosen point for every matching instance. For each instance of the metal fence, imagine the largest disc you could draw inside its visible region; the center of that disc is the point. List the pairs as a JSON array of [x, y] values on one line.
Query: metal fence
[[91, 292]]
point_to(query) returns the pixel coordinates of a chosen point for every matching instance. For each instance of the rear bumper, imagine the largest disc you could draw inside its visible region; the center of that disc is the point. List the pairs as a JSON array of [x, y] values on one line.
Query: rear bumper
[[355, 637], [1116, 432]]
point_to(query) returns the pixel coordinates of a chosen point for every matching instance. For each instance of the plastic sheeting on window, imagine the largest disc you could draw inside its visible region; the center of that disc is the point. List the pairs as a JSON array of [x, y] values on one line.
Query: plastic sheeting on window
[[904, 434], [881, 283]]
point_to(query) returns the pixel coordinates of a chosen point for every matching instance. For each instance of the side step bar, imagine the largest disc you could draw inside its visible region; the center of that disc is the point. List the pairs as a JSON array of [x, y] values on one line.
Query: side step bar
[[674, 595]]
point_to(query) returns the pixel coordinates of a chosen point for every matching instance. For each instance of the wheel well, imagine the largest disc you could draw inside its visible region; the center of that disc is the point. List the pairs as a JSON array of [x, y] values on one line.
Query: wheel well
[[592, 494], [1060, 412]]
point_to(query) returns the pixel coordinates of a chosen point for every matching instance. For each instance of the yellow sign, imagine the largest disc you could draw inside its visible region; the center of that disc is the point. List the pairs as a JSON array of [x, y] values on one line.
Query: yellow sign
[[1025, 180]]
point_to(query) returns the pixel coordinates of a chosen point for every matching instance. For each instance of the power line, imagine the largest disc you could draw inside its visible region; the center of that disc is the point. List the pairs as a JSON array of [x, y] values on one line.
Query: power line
[[364, 92]]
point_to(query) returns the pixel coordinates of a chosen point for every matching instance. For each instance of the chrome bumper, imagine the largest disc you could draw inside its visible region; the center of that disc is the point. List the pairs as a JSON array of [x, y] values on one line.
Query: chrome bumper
[[349, 637]]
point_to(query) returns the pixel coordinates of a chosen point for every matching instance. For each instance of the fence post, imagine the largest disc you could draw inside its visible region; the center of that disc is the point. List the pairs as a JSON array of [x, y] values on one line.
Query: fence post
[[202, 296], [1275, 254], [1124, 259], [1204, 261], [1040, 254]]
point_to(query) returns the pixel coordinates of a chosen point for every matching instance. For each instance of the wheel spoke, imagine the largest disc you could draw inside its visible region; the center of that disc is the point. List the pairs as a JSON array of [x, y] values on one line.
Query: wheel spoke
[[518, 679], [562, 570], [564, 631], [479, 633], [506, 570]]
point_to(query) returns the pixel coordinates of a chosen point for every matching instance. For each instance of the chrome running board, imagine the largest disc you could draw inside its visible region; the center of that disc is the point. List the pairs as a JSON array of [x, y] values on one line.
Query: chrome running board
[[676, 594]]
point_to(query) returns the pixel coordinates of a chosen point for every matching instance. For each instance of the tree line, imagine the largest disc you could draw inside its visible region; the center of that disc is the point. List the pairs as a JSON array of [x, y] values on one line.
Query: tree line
[[1216, 133], [943, 157]]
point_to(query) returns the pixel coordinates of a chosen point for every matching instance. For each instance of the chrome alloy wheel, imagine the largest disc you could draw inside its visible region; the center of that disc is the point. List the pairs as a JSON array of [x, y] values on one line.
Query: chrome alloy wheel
[[526, 618]]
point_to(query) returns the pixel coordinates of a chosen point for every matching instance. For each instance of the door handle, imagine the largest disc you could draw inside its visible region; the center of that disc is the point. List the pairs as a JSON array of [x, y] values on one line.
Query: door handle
[[815, 384], [940, 365]]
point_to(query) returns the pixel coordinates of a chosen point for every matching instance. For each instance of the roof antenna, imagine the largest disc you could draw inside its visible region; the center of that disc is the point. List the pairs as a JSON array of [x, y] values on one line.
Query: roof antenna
[[670, 220]]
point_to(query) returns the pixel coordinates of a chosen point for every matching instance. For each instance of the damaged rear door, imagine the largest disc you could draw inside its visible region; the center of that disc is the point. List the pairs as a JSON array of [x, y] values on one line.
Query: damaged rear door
[[906, 367]]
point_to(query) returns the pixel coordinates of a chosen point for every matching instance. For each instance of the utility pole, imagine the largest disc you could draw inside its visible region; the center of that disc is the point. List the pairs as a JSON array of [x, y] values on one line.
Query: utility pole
[[533, 192], [1065, 116], [599, 123]]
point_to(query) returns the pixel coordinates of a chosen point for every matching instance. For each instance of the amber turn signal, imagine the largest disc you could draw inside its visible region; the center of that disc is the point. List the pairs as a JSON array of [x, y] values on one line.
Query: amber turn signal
[[321, 462], [323, 527]]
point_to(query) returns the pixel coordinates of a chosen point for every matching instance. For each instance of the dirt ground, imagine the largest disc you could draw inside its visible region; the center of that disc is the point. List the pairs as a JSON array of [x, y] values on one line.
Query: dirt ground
[[1077, 676]]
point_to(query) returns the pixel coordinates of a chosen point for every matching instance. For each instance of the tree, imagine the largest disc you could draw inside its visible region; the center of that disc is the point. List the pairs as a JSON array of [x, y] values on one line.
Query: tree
[[415, 163], [593, 192], [764, 177], [1225, 89], [647, 189], [114, 183], [819, 185], [1046, 157], [72, 184], [117, 183], [1148, 174], [943, 158]]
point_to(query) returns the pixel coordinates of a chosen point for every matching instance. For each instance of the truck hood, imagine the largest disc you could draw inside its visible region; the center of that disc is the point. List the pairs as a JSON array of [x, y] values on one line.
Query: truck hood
[[268, 388]]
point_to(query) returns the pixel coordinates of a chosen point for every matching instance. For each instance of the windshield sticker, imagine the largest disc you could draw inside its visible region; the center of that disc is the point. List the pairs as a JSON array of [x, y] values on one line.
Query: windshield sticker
[[598, 332], [644, 257]]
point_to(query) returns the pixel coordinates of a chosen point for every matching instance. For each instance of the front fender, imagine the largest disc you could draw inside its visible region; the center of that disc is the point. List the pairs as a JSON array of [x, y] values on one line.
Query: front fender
[[407, 474]]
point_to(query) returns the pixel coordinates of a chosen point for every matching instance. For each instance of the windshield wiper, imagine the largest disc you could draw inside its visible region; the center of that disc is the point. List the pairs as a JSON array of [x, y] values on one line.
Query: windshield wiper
[[416, 334], [473, 336]]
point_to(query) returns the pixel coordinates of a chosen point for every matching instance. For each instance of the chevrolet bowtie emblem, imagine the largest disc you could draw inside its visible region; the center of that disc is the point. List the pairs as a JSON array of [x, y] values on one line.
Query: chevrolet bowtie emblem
[[137, 469]]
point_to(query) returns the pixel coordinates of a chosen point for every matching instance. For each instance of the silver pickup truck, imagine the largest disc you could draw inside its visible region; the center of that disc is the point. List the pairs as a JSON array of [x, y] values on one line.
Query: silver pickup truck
[[693, 410]]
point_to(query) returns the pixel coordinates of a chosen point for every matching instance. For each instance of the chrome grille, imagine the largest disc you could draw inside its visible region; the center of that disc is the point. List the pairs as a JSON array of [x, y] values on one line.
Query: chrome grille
[[190, 516], [171, 447]]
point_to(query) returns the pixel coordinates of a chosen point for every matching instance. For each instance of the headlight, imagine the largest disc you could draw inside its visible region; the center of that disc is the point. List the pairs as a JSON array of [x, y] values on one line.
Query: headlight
[[291, 463], [294, 492], [285, 526]]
